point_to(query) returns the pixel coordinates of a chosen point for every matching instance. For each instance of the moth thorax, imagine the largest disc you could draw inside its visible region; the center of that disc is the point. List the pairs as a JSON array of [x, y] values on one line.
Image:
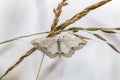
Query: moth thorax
[[35, 43], [59, 44]]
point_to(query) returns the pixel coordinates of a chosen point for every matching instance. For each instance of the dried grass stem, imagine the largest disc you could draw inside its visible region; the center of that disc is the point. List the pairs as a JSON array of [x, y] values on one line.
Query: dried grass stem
[[57, 13], [19, 61], [81, 14]]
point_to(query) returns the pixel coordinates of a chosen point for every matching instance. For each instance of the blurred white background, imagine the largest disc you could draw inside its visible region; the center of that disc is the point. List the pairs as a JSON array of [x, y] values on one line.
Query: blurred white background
[[96, 61]]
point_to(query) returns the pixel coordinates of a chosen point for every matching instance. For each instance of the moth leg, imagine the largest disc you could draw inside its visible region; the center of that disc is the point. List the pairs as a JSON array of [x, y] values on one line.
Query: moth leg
[[28, 53]]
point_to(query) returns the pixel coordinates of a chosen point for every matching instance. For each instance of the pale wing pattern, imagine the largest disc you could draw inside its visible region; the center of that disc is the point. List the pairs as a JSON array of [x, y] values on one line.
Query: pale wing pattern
[[47, 46], [71, 43], [66, 51]]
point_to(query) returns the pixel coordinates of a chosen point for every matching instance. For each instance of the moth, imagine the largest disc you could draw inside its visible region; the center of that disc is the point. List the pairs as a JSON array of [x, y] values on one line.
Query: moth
[[59, 45]]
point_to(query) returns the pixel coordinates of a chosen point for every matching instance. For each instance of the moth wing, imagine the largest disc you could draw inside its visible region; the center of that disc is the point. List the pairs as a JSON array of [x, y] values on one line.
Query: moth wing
[[47, 46], [71, 43], [66, 51], [53, 50]]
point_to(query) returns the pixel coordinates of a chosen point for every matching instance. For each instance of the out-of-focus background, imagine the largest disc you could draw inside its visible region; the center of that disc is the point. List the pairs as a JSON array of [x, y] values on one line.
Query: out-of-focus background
[[96, 61]]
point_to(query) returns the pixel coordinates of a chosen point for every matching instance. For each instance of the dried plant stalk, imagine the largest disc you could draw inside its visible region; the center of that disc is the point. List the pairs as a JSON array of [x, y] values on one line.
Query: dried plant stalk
[[106, 30], [57, 13], [81, 14], [40, 66], [105, 40], [99, 36], [113, 47], [19, 61]]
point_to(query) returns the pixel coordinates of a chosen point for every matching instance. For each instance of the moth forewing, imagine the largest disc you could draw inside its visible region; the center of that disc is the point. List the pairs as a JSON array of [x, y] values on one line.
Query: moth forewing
[[74, 42], [46, 45], [65, 51], [42, 42], [52, 51]]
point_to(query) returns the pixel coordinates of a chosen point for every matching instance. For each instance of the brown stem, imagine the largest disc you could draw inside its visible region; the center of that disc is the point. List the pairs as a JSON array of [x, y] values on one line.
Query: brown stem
[[81, 14], [19, 61], [57, 13]]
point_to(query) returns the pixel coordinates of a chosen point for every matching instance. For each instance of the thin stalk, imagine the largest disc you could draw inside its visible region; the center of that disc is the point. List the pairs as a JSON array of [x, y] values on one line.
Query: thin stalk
[[40, 66], [10, 40]]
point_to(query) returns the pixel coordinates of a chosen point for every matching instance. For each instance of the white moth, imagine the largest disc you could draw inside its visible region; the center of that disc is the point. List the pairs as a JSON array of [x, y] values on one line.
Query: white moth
[[59, 46]]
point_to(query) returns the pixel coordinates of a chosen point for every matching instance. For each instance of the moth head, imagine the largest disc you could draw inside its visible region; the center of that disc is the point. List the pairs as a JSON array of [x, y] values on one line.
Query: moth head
[[35, 43]]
